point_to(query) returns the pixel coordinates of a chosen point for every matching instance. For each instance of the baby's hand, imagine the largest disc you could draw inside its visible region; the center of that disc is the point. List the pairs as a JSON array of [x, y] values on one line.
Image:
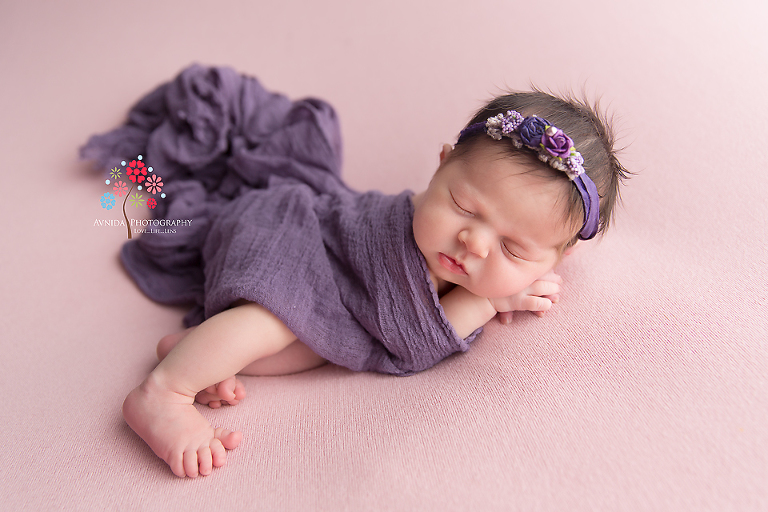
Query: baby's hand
[[538, 298]]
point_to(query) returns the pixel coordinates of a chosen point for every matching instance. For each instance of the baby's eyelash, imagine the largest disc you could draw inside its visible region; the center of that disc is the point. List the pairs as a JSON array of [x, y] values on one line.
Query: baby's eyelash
[[508, 251], [459, 206]]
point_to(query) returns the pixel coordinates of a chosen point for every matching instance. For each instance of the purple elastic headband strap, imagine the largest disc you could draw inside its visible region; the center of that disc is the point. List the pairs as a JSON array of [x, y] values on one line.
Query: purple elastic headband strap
[[471, 130], [591, 199]]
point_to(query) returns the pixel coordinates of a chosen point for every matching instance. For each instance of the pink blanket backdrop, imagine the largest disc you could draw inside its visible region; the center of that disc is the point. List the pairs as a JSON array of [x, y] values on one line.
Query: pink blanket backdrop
[[645, 389]]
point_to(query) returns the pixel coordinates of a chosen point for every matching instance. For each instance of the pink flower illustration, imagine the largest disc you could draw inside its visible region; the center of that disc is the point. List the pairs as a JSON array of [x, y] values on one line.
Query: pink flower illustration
[[151, 203], [136, 171], [154, 184], [120, 188]]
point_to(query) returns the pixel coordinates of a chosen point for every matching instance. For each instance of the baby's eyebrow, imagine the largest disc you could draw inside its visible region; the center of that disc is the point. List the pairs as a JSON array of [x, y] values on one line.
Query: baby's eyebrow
[[467, 192]]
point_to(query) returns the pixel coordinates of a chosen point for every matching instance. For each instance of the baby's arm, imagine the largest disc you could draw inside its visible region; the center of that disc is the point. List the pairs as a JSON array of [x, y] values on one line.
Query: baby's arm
[[467, 311]]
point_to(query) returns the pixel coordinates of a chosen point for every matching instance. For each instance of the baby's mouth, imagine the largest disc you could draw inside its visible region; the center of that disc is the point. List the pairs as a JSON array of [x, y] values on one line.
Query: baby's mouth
[[451, 264]]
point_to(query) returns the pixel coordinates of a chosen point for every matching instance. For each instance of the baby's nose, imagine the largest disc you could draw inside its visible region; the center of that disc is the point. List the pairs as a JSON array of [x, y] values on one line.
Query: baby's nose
[[475, 242]]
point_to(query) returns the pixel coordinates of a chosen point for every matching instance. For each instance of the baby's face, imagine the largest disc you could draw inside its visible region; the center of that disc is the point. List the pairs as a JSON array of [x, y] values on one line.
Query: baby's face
[[488, 224]]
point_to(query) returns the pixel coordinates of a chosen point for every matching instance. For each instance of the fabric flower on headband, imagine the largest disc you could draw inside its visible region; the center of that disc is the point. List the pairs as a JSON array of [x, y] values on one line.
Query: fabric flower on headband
[[532, 130], [556, 142]]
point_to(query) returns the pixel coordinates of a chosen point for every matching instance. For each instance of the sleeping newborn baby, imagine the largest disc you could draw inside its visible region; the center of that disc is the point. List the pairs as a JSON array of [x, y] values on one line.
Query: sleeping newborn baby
[[287, 268]]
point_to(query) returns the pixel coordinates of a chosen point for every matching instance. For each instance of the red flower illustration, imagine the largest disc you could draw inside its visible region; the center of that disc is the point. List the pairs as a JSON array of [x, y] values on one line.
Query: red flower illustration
[[136, 171], [151, 203]]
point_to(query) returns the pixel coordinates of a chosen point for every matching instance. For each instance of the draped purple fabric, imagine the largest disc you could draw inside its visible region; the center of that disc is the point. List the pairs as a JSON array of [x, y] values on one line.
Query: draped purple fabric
[[272, 222]]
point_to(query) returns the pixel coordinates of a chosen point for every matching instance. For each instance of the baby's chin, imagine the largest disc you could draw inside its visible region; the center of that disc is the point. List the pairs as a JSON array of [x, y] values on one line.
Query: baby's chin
[[441, 285]]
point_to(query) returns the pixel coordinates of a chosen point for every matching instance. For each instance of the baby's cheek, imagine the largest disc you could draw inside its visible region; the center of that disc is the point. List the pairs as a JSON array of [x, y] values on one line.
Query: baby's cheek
[[429, 226], [502, 284]]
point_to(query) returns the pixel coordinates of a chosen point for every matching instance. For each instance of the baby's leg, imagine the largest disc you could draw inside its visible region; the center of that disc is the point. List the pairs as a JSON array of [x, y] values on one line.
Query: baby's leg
[[161, 411], [294, 358], [229, 391]]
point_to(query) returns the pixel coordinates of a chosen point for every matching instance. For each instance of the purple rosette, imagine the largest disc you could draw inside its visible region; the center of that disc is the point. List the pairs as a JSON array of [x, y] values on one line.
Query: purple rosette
[[556, 142], [531, 130]]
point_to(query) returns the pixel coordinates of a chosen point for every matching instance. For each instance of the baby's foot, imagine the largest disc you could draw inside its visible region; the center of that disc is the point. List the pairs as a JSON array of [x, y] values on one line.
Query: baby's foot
[[169, 423], [229, 391]]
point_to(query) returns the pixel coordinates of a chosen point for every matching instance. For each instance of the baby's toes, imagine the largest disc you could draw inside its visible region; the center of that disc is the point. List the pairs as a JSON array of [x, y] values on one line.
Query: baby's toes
[[205, 460], [239, 391], [226, 390], [176, 463], [191, 463], [228, 439], [218, 453], [209, 397]]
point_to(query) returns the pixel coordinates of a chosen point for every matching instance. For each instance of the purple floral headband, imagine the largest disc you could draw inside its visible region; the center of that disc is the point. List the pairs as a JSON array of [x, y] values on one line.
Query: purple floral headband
[[553, 147]]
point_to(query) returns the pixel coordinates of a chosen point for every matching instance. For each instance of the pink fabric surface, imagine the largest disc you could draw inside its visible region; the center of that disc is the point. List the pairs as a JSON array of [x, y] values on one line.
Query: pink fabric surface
[[644, 389]]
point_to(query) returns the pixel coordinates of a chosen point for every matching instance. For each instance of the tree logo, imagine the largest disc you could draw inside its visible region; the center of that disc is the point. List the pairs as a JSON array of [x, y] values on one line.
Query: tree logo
[[140, 177]]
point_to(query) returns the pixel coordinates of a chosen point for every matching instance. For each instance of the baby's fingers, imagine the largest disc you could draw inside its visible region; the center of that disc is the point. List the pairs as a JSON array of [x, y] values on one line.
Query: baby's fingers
[[544, 288], [505, 317], [533, 303]]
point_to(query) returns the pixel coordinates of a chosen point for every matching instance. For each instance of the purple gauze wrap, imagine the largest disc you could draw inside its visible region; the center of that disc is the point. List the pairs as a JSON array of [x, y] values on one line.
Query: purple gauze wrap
[[272, 222]]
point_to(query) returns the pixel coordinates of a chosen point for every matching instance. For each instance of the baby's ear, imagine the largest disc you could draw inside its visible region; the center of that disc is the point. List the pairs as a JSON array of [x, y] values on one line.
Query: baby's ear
[[445, 150], [570, 250]]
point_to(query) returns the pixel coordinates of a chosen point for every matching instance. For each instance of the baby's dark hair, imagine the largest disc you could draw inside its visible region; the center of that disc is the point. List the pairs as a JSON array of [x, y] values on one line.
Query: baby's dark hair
[[592, 136]]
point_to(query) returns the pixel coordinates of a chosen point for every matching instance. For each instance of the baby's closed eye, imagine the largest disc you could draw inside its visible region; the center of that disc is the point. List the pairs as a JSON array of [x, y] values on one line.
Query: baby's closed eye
[[510, 252], [461, 208]]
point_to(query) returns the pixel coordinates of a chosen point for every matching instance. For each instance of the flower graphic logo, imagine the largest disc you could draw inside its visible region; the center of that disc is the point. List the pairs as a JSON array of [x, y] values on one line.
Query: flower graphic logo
[[120, 188], [108, 201], [137, 173], [136, 200], [154, 184]]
